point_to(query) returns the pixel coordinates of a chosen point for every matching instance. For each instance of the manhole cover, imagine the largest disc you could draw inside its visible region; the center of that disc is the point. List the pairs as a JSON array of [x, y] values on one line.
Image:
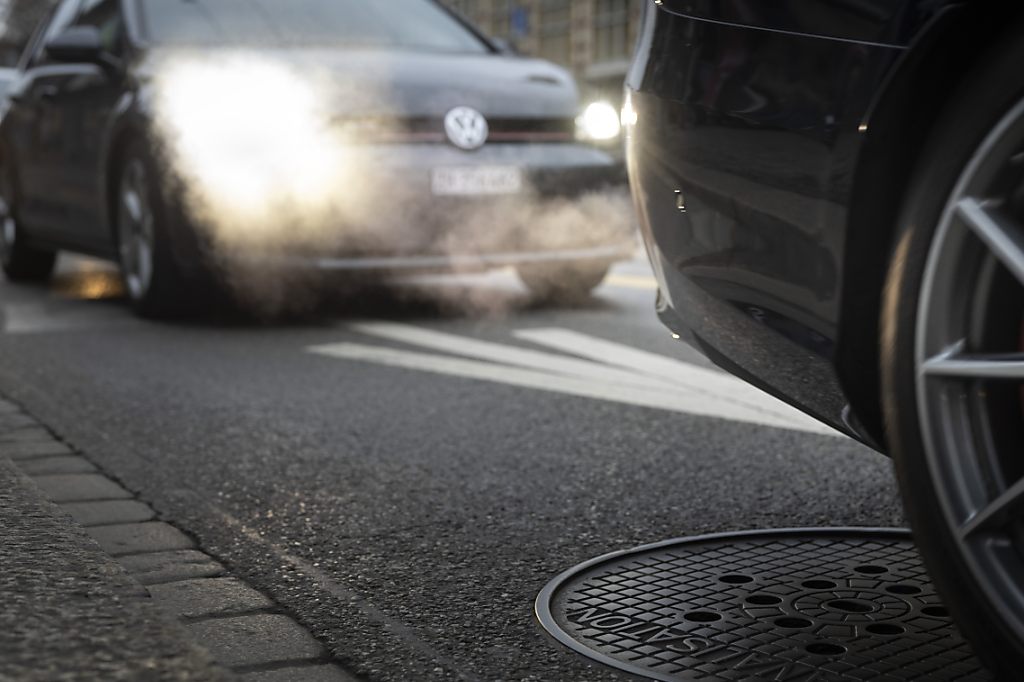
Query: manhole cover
[[787, 605]]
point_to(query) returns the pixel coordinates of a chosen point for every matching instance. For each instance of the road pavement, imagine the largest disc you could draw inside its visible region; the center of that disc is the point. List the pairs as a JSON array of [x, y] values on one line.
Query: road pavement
[[404, 469]]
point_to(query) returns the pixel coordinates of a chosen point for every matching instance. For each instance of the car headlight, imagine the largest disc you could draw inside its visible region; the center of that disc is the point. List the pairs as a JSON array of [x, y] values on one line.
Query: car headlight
[[600, 122]]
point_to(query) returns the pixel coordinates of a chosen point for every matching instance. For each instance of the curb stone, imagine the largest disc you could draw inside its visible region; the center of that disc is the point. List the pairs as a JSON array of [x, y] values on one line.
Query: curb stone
[[65, 464], [70, 612], [242, 628]]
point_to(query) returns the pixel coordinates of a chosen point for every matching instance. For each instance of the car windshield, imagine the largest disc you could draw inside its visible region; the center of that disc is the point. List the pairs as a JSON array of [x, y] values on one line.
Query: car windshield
[[398, 24]]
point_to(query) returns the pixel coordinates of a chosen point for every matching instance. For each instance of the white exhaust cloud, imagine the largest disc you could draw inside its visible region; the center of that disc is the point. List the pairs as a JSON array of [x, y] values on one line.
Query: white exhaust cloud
[[268, 171]]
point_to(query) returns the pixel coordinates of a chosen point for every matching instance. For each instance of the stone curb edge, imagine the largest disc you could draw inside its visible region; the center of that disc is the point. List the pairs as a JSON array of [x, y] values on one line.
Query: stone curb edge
[[242, 628]]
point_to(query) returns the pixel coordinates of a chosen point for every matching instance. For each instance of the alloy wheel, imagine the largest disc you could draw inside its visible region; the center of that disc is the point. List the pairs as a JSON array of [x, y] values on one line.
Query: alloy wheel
[[136, 229], [969, 360]]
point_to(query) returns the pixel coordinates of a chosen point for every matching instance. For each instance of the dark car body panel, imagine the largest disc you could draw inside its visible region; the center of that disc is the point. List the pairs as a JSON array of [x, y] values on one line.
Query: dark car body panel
[[746, 162], [370, 82], [882, 22]]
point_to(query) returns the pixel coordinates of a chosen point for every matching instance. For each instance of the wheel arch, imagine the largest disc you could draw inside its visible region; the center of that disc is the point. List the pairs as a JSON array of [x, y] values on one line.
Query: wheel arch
[[898, 126]]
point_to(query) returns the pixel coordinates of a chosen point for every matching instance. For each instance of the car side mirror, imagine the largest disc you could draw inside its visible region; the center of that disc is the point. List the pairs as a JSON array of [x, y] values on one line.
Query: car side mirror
[[79, 44]]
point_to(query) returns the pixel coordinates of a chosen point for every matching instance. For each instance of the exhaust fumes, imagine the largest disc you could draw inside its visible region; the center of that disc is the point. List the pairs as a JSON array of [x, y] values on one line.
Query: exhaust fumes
[[250, 140], [273, 175]]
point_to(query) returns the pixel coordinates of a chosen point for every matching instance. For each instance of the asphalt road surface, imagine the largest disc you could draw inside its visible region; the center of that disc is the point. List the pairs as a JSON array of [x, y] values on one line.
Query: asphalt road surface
[[406, 469]]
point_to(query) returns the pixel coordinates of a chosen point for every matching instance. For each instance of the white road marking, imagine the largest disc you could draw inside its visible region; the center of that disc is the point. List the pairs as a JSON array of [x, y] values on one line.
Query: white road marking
[[504, 354], [625, 281], [657, 398], [682, 374], [609, 372], [37, 318]]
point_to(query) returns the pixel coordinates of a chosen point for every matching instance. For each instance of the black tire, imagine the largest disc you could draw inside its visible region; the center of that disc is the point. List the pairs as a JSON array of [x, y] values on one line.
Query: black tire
[[992, 91], [563, 281], [20, 262], [163, 289]]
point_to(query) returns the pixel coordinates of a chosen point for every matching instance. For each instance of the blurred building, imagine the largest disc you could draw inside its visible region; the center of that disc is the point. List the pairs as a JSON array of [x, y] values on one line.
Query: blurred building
[[593, 38]]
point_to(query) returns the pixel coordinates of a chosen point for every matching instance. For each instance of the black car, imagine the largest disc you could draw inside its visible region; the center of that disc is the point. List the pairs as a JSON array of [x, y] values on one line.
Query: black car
[[832, 197], [185, 138]]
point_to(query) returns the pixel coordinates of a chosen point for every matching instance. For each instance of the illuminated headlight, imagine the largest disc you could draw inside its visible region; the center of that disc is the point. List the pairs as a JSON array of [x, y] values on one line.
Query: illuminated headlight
[[600, 122], [248, 133]]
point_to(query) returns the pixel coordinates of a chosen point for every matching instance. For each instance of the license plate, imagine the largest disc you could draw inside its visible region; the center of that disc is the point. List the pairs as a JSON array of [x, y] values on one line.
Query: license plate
[[478, 180]]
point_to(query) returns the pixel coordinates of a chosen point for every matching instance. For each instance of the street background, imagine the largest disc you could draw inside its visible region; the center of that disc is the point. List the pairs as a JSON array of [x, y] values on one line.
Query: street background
[[403, 489]]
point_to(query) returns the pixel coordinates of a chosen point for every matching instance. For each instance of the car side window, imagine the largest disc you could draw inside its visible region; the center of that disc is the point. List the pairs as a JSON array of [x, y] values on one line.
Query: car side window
[[60, 20], [106, 16]]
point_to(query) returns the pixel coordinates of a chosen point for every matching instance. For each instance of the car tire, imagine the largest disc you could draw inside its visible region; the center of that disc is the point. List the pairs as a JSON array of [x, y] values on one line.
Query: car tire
[[951, 301], [563, 282], [155, 282], [21, 262]]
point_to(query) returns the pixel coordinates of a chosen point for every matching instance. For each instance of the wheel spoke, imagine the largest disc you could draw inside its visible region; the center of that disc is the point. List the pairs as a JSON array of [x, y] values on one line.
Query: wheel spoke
[[998, 513], [136, 230], [132, 204], [1008, 367], [1001, 235]]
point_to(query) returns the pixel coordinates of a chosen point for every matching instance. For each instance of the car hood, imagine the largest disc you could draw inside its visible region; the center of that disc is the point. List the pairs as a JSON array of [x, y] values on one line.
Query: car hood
[[398, 84]]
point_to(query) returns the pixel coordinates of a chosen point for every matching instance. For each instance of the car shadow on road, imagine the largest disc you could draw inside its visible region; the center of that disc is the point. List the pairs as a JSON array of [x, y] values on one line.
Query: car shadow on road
[[400, 301], [325, 303]]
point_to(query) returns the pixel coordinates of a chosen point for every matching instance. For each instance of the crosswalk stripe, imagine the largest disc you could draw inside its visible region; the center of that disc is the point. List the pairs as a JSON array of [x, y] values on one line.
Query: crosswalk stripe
[[509, 355], [701, 405], [21, 318], [37, 318], [590, 367], [680, 373], [631, 281]]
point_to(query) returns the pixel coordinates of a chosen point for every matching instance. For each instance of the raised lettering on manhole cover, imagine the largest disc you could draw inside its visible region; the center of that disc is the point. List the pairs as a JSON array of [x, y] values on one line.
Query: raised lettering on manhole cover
[[790, 606]]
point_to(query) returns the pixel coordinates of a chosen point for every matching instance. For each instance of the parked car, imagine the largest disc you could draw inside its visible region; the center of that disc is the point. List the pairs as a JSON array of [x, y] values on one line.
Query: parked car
[[832, 197], [103, 152]]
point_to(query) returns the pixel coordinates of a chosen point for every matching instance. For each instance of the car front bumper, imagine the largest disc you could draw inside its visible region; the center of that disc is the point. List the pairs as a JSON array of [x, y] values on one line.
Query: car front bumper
[[571, 204], [458, 262]]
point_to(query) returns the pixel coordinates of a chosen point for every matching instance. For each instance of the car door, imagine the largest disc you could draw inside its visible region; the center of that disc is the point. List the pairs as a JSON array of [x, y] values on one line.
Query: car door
[[35, 128], [87, 99]]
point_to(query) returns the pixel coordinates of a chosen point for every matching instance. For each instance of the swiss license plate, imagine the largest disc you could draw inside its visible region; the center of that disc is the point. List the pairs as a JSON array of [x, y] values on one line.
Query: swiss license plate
[[476, 180]]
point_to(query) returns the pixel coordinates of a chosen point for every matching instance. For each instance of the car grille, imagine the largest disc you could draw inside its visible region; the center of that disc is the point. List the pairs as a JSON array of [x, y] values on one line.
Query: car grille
[[375, 130]]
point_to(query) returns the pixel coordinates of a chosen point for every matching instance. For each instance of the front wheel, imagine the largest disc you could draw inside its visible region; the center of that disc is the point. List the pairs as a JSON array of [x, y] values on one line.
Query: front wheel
[[563, 282], [151, 273], [953, 359]]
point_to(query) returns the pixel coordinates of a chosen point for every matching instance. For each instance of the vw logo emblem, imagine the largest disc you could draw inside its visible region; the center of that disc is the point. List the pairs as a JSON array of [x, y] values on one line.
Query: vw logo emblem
[[466, 128]]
